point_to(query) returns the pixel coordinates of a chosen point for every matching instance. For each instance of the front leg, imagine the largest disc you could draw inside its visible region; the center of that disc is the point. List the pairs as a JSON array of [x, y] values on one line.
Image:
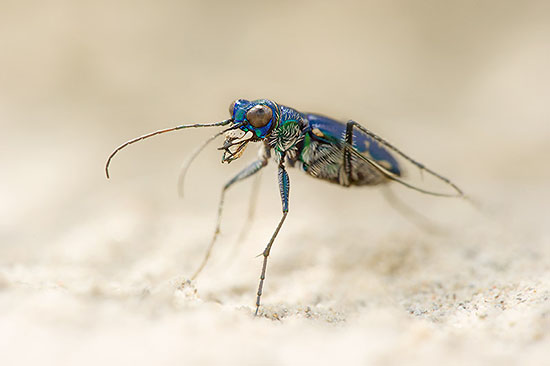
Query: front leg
[[252, 169], [284, 188]]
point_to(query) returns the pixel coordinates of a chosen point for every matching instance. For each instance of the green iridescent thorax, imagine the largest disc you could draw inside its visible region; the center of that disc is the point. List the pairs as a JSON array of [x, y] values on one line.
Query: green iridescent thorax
[[288, 132]]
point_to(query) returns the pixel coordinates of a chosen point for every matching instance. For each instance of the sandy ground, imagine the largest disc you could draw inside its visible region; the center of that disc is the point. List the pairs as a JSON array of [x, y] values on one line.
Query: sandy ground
[[97, 272]]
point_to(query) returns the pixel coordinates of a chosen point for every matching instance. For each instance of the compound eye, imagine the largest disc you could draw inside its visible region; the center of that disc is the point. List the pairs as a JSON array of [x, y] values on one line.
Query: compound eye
[[232, 108], [259, 115]]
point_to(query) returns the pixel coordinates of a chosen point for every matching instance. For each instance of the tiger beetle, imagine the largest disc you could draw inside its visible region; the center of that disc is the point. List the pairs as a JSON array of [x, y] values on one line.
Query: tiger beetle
[[345, 154]]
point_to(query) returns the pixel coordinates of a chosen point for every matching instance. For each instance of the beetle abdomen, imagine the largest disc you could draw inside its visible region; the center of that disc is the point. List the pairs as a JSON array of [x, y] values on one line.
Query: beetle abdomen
[[322, 154]]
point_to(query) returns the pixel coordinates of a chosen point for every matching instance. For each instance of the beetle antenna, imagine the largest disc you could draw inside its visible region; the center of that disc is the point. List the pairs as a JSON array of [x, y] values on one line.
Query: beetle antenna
[[187, 163], [181, 127]]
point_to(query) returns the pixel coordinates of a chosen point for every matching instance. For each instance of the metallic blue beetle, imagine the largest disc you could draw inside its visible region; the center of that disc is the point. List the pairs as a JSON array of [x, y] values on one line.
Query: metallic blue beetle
[[345, 154]]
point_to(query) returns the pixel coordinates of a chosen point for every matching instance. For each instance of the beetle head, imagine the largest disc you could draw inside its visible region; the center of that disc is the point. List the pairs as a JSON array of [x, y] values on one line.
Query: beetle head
[[253, 121]]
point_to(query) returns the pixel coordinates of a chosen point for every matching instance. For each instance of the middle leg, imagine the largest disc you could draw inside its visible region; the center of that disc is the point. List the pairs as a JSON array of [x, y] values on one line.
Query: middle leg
[[284, 188]]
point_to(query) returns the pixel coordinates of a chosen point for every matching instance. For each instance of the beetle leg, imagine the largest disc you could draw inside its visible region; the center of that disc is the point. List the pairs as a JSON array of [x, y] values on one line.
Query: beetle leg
[[345, 178], [412, 215], [245, 173], [252, 205], [284, 188], [420, 166]]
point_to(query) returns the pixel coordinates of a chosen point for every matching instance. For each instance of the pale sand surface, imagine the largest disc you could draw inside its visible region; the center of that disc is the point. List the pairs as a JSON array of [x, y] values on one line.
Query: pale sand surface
[[96, 272]]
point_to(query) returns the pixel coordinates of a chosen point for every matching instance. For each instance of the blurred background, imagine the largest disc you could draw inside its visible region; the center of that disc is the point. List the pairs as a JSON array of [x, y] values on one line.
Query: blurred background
[[462, 86]]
